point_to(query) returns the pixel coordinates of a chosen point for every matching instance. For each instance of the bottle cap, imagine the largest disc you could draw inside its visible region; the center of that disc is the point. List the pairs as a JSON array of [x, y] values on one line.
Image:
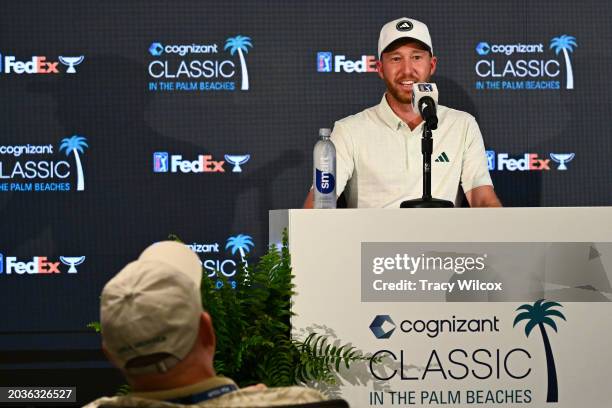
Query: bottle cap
[[324, 132]]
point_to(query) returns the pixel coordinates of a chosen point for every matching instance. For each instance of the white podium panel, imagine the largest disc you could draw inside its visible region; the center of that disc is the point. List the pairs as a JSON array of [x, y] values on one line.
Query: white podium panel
[[439, 344]]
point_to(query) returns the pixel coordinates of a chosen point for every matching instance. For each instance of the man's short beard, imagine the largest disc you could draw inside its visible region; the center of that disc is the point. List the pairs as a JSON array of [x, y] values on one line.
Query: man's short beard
[[398, 97]]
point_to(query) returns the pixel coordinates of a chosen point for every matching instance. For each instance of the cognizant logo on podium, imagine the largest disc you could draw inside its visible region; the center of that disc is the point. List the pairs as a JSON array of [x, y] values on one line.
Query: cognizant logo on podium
[[509, 369]]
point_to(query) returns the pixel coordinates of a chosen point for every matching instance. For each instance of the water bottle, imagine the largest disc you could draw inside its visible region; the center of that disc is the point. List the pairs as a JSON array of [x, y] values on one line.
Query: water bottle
[[324, 172]]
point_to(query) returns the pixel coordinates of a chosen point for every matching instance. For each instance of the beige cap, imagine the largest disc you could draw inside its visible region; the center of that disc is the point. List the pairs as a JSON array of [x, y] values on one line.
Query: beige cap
[[403, 28], [153, 305]]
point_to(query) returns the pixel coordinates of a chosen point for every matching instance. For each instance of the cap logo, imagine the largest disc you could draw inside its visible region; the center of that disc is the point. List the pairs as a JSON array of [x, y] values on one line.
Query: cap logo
[[404, 25]]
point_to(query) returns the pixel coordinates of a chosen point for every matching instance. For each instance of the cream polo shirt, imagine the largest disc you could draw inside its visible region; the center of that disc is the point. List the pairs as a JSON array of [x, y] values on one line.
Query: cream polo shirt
[[380, 164]]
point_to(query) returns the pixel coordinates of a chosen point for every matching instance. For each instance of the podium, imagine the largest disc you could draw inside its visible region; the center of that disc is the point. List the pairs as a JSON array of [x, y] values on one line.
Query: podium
[[460, 307]]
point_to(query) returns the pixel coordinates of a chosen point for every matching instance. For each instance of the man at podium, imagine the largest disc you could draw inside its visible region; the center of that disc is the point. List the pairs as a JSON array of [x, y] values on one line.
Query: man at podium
[[378, 150]]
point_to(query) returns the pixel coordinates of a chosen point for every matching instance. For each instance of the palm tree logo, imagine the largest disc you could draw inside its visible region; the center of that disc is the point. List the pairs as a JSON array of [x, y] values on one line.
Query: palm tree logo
[[240, 243], [538, 315], [565, 43], [75, 144], [240, 43]]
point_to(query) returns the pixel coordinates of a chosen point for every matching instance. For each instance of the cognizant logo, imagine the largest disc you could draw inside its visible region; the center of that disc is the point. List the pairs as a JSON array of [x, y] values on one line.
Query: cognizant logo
[[434, 327], [518, 66], [156, 49], [184, 63], [484, 48], [383, 326], [215, 262], [26, 149], [473, 361], [39, 168]]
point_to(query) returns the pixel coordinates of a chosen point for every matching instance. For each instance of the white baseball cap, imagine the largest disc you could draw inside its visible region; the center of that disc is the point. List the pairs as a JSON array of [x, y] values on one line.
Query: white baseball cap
[[153, 305], [403, 28]]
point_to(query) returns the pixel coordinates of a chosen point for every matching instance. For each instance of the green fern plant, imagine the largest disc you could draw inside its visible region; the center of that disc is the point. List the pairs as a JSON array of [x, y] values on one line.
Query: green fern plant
[[253, 328]]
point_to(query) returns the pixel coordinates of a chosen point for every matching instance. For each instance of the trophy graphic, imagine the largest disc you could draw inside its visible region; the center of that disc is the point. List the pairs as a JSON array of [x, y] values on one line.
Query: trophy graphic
[[562, 158], [71, 62], [72, 261], [237, 160]]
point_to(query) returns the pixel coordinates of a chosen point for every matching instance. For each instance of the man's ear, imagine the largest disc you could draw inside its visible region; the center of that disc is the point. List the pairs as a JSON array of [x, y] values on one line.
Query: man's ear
[[110, 357], [207, 331], [434, 65]]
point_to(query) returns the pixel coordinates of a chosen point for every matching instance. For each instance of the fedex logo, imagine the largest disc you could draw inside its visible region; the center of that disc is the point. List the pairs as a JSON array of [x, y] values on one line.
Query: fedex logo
[[36, 65], [39, 64], [163, 162], [528, 162], [325, 60], [204, 164], [38, 265]]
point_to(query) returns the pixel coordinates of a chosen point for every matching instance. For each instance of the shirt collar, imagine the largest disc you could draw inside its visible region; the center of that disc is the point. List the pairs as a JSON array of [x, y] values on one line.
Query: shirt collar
[[392, 120], [389, 117]]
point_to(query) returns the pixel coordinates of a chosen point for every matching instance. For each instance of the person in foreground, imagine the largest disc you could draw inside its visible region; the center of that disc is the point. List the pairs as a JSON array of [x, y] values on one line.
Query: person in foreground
[[155, 331], [379, 160]]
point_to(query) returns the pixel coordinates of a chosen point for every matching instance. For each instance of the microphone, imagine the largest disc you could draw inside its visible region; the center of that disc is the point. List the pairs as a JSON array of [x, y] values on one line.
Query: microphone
[[424, 101]]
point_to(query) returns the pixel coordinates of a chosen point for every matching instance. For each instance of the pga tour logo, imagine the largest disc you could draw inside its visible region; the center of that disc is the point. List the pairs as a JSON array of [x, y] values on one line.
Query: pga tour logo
[[324, 62]]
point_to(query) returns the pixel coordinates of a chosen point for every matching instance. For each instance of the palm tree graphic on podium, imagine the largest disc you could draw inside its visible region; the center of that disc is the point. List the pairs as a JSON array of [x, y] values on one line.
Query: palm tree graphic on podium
[[540, 314], [565, 43], [76, 145], [241, 44], [240, 243]]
